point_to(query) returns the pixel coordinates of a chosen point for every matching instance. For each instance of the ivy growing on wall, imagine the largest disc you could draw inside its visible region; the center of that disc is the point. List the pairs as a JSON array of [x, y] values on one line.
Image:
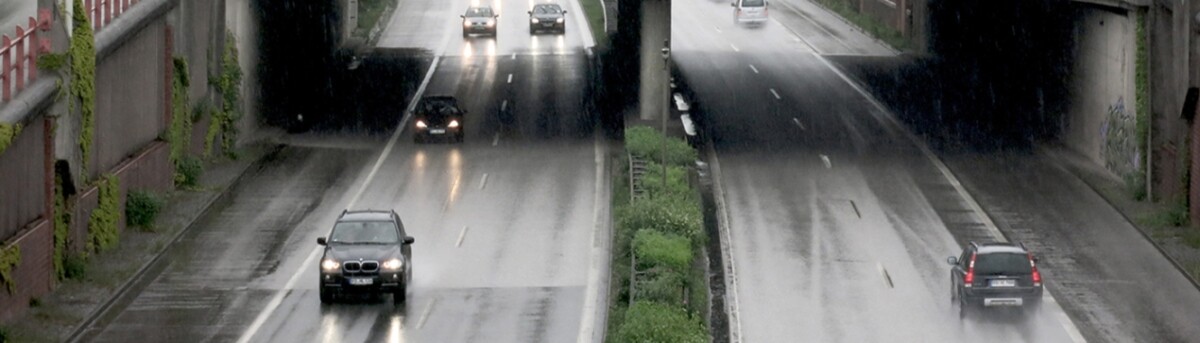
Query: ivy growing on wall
[[102, 226], [229, 84], [179, 133], [83, 78], [62, 220], [9, 257], [8, 134]]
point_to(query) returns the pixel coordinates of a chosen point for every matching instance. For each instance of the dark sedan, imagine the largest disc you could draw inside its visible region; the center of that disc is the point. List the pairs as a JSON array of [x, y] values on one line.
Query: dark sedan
[[547, 17], [438, 116], [479, 19]]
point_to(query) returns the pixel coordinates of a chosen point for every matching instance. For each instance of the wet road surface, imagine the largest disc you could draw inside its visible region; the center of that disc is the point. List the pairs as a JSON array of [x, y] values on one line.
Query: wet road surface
[[838, 224], [505, 223]]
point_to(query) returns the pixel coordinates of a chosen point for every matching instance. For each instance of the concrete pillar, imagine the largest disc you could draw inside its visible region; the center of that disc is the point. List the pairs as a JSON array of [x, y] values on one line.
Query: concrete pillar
[[655, 30]]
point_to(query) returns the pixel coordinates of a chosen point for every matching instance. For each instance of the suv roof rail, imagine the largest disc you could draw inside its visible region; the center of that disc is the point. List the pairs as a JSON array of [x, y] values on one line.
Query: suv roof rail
[[975, 244]]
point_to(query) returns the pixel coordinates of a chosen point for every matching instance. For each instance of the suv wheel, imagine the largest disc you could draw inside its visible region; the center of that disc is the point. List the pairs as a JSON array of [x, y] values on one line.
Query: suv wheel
[[400, 296], [326, 295]]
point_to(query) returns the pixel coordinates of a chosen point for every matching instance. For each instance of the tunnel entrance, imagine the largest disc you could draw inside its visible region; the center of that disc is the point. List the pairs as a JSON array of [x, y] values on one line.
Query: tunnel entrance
[[996, 75], [308, 81]]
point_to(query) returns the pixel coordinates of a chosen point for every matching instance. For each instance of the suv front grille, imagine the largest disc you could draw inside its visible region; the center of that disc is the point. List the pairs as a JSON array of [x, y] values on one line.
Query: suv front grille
[[360, 267]]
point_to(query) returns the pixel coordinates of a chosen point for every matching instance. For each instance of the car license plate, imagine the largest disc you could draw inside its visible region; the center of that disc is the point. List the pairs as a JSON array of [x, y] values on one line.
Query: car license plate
[[437, 131], [1003, 302], [1004, 283], [360, 281]]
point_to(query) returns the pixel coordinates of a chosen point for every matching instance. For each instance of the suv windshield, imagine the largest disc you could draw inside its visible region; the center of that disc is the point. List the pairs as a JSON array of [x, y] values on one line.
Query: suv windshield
[[1002, 264], [364, 232], [752, 3]]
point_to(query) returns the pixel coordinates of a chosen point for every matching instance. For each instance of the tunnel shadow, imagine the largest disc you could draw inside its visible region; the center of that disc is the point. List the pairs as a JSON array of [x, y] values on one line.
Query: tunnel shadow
[[995, 78]]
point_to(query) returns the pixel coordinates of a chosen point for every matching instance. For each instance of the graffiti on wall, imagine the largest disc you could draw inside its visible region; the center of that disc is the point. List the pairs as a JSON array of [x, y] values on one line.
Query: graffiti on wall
[[1119, 144]]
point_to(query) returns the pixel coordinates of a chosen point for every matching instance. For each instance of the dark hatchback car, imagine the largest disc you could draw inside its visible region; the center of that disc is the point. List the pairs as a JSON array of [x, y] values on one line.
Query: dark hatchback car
[[438, 117], [547, 17], [995, 275], [367, 252]]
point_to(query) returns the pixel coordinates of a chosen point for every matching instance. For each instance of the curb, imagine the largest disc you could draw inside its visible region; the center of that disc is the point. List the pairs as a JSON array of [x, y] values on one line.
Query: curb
[[123, 290], [1178, 266]]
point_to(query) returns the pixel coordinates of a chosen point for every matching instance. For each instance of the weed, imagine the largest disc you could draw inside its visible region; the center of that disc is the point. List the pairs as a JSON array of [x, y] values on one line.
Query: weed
[[1191, 237], [141, 208], [75, 266]]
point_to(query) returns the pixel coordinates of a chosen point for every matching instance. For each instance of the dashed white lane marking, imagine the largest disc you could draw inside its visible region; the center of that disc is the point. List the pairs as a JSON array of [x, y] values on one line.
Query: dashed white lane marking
[[504, 105], [735, 48], [291, 284], [509, 78], [425, 314], [718, 28], [776, 94], [887, 278], [798, 123], [884, 116], [461, 236], [496, 139], [756, 72], [825, 159], [514, 56], [483, 182]]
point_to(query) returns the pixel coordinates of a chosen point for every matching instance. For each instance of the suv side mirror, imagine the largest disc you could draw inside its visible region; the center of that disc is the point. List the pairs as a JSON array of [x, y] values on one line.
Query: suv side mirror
[[564, 12], [321, 241], [464, 16], [952, 260], [409, 240], [530, 12]]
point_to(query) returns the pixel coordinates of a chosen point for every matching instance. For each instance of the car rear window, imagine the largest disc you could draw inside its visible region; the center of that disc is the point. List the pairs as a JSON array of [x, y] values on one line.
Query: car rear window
[[364, 232], [1002, 264]]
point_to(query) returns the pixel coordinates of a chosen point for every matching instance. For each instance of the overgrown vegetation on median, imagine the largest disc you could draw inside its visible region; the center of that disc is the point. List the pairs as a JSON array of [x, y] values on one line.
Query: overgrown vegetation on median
[[369, 13], [659, 289], [593, 10]]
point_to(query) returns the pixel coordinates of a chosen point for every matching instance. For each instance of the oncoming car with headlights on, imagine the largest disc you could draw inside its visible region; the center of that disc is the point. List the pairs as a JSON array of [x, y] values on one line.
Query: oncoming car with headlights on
[[479, 19], [367, 252]]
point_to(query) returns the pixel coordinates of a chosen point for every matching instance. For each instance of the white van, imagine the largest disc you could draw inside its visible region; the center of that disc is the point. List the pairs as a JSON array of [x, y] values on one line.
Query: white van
[[750, 11]]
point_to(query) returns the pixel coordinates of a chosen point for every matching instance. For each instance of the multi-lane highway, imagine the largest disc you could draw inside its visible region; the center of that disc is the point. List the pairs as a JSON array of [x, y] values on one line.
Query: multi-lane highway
[[510, 226], [838, 224]]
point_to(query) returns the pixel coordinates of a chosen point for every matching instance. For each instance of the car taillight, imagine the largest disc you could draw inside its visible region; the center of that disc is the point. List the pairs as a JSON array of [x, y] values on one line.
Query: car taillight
[[1037, 277], [969, 278]]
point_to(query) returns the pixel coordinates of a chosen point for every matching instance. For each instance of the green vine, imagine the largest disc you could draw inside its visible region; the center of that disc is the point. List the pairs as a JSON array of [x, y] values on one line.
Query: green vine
[[102, 226], [83, 78], [62, 219], [9, 257], [229, 84], [181, 120], [8, 134], [1142, 105]]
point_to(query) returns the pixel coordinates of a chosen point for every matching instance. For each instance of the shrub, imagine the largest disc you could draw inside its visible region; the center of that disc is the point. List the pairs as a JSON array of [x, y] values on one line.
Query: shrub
[[9, 257], [75, 266], [655, 249], [648, 321], [667, 215], [141, 208], [647, 143], [188, 171], [677, 183]]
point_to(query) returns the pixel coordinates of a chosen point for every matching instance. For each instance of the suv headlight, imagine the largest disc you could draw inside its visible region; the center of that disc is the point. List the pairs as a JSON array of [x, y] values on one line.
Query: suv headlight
[[330, 265], [559, 20], [393, 264], [533, 20]]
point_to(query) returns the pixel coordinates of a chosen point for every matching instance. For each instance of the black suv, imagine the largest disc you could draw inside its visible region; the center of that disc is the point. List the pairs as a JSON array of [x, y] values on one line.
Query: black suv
[[995, 275], [438, 116], [366, 252]]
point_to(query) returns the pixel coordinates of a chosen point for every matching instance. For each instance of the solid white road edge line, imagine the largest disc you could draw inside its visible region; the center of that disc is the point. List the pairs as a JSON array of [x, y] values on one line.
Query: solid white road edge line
[[587, 322], [279, 295], [888, 119], [732, 305]]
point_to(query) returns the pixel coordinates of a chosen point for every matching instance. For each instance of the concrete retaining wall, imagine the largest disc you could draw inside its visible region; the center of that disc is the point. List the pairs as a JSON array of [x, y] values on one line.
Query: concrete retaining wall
[[1100, 123], [129, 82], [23, 166]]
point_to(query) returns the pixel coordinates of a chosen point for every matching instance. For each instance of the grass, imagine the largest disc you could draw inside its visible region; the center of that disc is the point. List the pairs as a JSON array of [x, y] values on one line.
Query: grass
[[868, 24], [594, 11], [369, 13], [1191, 238], [1173, 216]]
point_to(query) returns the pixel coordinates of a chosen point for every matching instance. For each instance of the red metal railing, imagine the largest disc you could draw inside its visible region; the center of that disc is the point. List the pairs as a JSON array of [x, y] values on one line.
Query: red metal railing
[[102, 12], [20, 54]]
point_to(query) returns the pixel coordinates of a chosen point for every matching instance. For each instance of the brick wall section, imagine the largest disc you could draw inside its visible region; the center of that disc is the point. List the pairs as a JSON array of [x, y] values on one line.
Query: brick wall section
[[22, 165], [35, 274], [148, 170]]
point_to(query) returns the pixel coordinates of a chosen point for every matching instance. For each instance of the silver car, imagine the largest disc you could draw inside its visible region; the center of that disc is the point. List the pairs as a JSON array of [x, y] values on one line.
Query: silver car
[[479, 19], [750, 11]]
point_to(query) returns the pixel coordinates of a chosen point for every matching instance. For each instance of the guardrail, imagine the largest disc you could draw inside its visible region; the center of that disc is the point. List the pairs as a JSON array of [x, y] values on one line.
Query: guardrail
[[20, 54], [102, 12]]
